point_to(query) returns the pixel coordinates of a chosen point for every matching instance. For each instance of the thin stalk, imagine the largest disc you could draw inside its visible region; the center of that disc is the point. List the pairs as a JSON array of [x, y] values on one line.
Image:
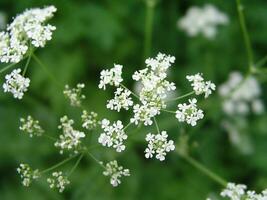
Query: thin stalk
[[7, 67], [58, 164], [169, 111], [127, 126], [76, 164], [150, 6], [204, 170], [246, 37], [261, 62], [46, 70], [129, 90], [95, 159], [181, 97], [49, 137], [27, 64], [157, 126]]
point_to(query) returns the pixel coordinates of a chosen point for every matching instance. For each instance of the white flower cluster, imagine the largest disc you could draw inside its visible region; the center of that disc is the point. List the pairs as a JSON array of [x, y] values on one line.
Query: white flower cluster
[[71, 138], [121, 100], [154, 88], [89, 120], [202, 21], [74, 95], [200, 86], [28, 28], [16, 83], [239, 191], [113, 135], [241, 95], [115, 172], [111, 77], [27, 174], [58, 180], [189, 113], [159, 145], [31, 126]]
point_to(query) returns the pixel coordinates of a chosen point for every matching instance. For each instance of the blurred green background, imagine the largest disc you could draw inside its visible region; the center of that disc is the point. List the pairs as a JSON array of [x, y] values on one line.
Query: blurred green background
[[92, 35]]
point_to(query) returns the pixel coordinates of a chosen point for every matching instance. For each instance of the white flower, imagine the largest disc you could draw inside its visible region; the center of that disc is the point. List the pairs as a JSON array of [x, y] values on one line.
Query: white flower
[[89, 121], [27, 174], [16, 84], [202, 21], [111, 77], [58, 180], [115, 172], [75, 94], [200, 86], [189, 113], [121, 100], [113, 135], [159, 145], [71, 138], [28, 28], [241, 95], [31, 126]]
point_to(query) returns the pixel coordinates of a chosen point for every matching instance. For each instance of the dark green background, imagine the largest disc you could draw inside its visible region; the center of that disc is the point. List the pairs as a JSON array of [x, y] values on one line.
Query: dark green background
[[91, 36]]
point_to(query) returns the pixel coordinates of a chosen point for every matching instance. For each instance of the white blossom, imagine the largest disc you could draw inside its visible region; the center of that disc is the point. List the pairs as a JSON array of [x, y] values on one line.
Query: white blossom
[[74, 95], [16, 83], [200, 86], [31, 126], [189, 113], [121, 100], [113, 135], [202, 21], [115, 172], [241, 95], [27, 174], [70, 138], [159, 145], [111, 77], [58, 180], [28, 28], [89, 120]]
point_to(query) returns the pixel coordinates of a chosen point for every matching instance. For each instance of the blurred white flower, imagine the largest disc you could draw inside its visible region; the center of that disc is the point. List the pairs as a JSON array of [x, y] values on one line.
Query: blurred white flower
[[31, 126], [58, 180], [202, 21], [74, 95], [89, 120], [27, 174]]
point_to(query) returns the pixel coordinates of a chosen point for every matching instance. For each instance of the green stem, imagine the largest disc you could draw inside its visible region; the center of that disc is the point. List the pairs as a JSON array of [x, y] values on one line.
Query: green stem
[[76, 164], [247, 41], [27, 64], [129, 90], [7, 67], [204, 170], [127, 126], [58, 164], [169, 111], [261, 62], [157, 126], [181, 97], [95, 159], [49, 137], [150, 6]]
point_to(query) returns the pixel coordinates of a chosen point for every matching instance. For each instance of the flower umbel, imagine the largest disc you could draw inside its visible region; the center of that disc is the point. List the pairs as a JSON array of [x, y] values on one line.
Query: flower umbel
[[27, 174], [159, 145], [115, 172], [74, 95], [58, 180], [16, 84], [31, 126], [121, 100], [89, 120], [111, 77]]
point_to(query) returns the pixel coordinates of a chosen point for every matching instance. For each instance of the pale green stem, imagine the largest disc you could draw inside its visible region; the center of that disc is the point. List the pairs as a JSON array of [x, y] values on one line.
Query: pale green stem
[[157, 126], [169, 111], [76, 164], [27, 64], [59, 164], [181, 97], [7, 67], [49, 137], [127, 126], [129, 90], [247, 41], [98, 161], [261, 62], [150, 6]]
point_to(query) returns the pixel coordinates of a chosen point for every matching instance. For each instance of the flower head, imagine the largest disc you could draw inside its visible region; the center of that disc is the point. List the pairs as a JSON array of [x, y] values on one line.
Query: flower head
[[89, 120], [111, 77], [159, 145], [27, 174], [115, 172], [31, 126], [121, 100], [74, 95], [16, 84], [58, 180]]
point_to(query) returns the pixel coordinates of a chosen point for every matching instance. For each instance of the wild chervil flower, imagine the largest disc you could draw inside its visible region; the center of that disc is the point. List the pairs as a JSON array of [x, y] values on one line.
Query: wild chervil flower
[[74, 95], [115, 172], [58, 180], [71, 138], [189, 113], [27, 174], [159, 145], [111, 77], [89, 120], [28, 28], [113, 135], [202, 21], [200, 86], [31, 126], [121, 100], [16, 84]]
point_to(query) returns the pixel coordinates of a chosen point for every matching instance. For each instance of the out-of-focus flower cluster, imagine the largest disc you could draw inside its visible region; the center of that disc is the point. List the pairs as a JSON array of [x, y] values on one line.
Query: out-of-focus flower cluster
[[74, 95], [58, 181], [31, 126], [203, 21], [27, 174]]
